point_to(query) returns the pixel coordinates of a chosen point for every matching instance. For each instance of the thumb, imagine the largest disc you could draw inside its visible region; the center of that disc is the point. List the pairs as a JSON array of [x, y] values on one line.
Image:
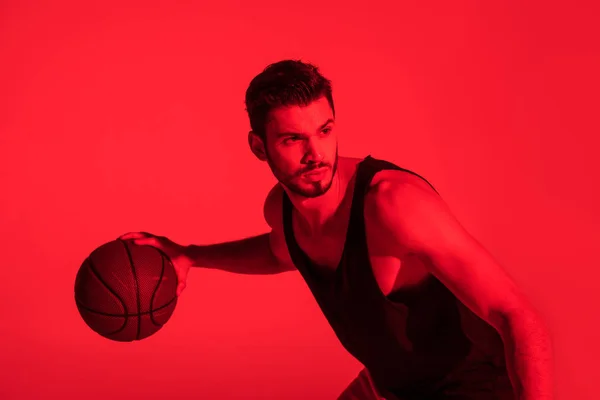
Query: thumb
[[181, 279], [180, 287]]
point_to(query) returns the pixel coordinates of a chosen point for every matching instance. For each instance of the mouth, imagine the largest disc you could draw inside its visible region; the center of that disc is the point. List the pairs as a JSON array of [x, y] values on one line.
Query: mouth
[[315, 173], [315, 170]]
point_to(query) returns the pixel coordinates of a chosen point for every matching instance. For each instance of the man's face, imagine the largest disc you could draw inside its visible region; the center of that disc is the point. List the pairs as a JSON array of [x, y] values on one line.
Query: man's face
[[301, 147]]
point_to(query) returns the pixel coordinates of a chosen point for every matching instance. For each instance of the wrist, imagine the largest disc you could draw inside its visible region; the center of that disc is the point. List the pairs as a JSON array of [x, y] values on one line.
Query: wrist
[[192, 255]]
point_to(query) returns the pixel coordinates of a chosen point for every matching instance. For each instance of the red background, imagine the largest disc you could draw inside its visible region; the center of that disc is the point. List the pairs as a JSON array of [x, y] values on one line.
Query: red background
[[119, 118]]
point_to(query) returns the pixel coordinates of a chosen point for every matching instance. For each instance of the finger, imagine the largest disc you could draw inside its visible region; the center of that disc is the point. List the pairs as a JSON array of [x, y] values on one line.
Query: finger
[[182, 274], [149, 241], [181, 279], [132, 235], [180, 288]]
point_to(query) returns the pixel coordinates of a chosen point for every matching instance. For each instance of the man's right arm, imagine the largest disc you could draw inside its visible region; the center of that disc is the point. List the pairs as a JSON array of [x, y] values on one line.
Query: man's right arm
[[261, 255]]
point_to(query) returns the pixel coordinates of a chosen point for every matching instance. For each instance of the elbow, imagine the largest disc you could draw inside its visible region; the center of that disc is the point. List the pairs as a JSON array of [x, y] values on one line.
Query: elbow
[[522, 324]]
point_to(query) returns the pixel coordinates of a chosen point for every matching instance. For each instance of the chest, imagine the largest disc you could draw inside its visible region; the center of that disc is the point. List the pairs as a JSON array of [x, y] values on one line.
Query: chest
[[391, 273]]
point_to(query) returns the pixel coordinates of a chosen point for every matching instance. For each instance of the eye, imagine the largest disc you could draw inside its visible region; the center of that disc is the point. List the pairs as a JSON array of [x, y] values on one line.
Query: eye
[[327, 131], [291, 139]]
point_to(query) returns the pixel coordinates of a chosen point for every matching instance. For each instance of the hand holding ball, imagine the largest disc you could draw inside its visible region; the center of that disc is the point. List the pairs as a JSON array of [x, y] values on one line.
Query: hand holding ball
[[126, 291]]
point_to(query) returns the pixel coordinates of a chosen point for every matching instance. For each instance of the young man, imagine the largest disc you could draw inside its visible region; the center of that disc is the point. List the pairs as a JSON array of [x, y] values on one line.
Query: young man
[[407, 290]]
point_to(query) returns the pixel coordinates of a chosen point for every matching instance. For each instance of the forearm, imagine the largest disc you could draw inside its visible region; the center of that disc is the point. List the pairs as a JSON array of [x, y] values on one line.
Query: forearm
[[252, 255], [528, 350]]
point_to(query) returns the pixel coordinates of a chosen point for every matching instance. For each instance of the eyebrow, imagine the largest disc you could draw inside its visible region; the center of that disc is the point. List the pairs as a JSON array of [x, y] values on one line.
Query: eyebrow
[[329, 121]]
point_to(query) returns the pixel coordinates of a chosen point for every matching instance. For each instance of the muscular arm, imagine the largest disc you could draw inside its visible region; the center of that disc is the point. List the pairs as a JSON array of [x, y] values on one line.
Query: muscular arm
[[260, 255], [417, 221]]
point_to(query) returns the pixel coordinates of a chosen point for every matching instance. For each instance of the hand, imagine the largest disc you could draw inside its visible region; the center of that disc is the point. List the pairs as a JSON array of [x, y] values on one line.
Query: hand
[[175, 252]]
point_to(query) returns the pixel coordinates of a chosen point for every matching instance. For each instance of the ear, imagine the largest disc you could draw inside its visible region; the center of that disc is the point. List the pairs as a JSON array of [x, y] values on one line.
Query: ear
[[257, 146]]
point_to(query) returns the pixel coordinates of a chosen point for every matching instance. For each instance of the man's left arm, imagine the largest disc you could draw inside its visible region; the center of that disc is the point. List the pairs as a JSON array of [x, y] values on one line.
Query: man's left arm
[[416, 220]]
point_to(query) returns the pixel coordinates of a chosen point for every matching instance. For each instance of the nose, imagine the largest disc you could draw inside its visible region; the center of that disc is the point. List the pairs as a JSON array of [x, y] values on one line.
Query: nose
[[314, 152]]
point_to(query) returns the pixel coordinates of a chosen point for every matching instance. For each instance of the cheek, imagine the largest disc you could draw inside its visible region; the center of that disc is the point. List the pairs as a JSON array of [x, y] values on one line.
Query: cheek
[[332, 148], [285, 163], [290, 167], [331, 142], [287, 156]]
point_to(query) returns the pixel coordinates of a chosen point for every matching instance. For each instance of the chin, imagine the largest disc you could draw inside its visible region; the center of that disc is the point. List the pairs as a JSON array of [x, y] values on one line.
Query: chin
[[313, 194], [312, 191]]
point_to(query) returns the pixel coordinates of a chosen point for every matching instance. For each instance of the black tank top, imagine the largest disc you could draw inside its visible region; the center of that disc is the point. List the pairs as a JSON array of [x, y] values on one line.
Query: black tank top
[[414, 342]]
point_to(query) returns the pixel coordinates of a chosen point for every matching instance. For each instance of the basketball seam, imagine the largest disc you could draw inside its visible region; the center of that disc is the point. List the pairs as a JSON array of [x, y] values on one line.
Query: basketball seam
[[97, 275], [162, 273], [105, 314], [137, 289]]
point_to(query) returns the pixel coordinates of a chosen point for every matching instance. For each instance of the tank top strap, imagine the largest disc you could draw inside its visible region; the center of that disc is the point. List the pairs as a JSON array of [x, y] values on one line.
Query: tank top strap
[[369, 166], [298, 256], [365, 172]]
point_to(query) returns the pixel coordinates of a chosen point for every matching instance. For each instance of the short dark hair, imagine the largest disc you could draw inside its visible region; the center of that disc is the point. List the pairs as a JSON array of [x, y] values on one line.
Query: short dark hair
[[284, 83]]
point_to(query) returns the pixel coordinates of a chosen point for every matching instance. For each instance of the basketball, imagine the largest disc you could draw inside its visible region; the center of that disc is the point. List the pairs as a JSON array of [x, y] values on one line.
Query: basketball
[[126, 292]]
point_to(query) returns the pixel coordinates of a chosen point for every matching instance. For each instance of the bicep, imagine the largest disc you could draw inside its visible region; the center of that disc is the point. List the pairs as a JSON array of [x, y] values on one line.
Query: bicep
[[420, 221], [470, 271]]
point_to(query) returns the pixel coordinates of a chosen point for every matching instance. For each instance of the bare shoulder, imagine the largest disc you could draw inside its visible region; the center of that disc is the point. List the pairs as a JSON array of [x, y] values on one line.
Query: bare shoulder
[[398, 179], [399, 186], [399, 204], [272, 209], [273, 213]]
